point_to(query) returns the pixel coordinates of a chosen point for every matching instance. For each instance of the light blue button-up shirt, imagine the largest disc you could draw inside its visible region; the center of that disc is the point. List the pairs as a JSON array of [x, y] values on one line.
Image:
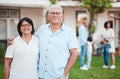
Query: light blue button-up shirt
[[54, 50], [83, 35]]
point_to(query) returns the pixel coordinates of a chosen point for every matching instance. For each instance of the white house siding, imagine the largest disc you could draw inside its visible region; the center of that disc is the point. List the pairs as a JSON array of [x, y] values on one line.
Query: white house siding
[[70, 16], [101, 18], [25, 3], [36, 14]]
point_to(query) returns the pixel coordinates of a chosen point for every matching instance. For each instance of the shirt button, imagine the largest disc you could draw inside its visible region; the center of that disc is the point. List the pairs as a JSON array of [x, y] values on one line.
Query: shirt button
[[49, 43], [45, 70], [45, 56], [45, 64], [46, 49]]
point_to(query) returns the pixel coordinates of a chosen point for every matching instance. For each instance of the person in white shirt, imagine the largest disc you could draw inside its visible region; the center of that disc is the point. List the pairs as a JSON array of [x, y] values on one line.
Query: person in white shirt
[[21, 57], [89, 51], [108, 37]]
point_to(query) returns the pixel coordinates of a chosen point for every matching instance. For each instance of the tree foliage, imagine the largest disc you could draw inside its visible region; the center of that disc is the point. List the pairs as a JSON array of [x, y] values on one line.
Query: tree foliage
[[53, 1], [95, 7]]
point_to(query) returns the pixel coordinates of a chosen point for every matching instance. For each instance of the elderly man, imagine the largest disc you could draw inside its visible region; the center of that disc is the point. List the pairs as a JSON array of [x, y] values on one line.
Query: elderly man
[[58, 49]]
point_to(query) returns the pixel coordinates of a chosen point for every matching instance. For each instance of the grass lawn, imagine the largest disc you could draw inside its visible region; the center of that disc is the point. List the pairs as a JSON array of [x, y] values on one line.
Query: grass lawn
[[1, 70], [97, 72]]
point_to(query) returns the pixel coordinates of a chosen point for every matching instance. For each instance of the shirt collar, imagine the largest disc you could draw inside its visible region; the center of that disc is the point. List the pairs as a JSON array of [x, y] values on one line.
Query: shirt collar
[[62, 28]]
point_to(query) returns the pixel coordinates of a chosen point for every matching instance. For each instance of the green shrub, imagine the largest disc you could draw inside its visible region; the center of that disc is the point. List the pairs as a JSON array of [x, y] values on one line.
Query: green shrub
[[2, 50]]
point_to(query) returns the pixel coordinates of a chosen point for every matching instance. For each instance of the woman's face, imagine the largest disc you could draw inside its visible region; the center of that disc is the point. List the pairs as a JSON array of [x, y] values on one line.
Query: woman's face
[[26, 28], [108, 25]]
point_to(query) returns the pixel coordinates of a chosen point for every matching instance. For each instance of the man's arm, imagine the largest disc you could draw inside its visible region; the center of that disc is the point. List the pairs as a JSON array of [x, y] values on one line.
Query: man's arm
[[10, 41], [71, 61]]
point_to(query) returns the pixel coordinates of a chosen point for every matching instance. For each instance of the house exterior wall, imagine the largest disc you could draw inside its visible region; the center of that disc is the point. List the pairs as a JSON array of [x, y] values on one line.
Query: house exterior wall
[[36, 10], [36, 14], [70, 15]]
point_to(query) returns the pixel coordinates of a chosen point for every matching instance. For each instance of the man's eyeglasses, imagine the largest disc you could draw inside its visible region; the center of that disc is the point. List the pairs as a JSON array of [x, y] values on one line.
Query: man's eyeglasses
[[53, 13]]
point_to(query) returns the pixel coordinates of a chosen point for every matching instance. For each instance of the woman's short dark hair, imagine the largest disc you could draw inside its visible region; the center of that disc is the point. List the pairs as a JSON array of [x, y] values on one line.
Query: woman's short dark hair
[[105, 24], [27, 20]]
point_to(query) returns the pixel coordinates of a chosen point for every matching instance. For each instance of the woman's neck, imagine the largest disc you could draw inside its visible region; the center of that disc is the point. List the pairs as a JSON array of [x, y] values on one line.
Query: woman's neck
[[27, 38], [107, 28]]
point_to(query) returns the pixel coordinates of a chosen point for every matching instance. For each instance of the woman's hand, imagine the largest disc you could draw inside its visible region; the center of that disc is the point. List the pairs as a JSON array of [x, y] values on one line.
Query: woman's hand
[[103, 41]]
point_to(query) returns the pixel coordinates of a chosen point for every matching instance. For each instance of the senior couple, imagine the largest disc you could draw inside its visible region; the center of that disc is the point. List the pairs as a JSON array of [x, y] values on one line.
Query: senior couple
[[49, 53]]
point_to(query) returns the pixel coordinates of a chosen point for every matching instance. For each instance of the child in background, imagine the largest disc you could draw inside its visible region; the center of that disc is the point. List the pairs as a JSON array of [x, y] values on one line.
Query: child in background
[[89, 51]]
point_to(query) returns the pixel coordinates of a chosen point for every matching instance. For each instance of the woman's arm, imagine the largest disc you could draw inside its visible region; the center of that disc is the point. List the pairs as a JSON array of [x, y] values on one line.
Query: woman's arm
[[112, 36], [111, 39], [7, 67]]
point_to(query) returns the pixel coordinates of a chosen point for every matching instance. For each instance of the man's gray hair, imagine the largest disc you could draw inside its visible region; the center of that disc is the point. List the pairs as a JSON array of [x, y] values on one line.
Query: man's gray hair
[[55, 6]]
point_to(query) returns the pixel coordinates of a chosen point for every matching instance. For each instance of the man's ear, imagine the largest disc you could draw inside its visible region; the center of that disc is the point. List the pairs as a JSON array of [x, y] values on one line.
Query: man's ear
[[62, 16]]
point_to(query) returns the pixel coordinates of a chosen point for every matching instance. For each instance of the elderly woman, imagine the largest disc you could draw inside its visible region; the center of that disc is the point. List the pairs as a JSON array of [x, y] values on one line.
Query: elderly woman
[[22, 56]]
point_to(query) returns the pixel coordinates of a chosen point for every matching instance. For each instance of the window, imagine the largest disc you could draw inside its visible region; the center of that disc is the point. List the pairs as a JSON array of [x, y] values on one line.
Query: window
[[117, 0], [79, 15], [14, 13], [3, 29], [3, 13], [8, 22], [9, 13]]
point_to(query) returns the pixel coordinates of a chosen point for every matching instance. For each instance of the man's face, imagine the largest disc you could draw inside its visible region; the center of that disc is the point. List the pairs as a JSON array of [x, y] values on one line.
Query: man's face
[[85, 24], [55, 16]]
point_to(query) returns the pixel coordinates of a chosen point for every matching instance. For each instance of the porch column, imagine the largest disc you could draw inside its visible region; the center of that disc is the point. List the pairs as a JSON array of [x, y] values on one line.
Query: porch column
[[44, 14]]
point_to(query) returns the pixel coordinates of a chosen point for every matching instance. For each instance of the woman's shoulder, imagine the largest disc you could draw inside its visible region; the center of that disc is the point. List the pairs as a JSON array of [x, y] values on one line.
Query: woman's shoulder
[[35, 38], [111, 30], [17, 38]]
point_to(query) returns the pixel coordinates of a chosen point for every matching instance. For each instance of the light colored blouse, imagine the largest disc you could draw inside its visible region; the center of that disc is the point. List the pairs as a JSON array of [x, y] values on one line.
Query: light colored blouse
[[109, 35], [25, 58]]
